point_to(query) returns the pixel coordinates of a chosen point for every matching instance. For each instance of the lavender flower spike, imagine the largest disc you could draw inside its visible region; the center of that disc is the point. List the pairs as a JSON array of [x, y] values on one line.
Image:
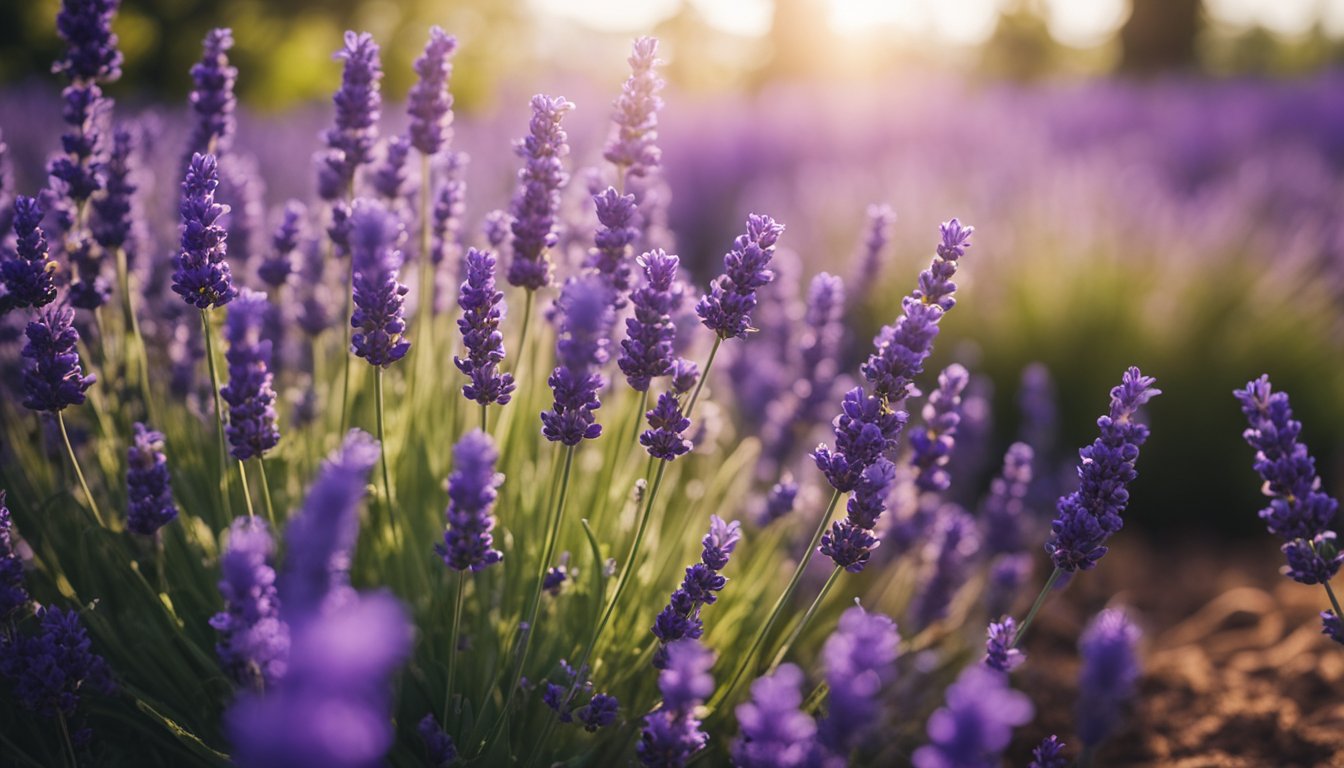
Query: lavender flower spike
[[880, 219], [664, 438], [977, 723], [389, 177], [254, 643], [587, 317], [30, 277], [860, 659], [429, 104], [50, 670], [610, 254], [149, 496], [378, 318], [278, 265], [538, 197], [646, 350], [13, 593], [253, 425], [111, 224], [1049, 754], [1004, 511], [1091, 514], [680, 619], [1109, 676], [482, 312], [726, 309], [52, 377], [776, 733], [471, 495], [358, 108], [212, 100], [631, 147], [903, 346], [999, 651], [672, 734], [948, 554], [91, 48], [931, 443], [201, 275], [439, 746]]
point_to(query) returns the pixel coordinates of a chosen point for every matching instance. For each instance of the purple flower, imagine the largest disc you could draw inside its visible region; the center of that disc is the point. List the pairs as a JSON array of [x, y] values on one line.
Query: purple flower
[[1004, 510], [1040, 412], [201, 275], [1314, 561], [79, 169], [977, 723], [948, 555], [860, 660], [471, 497], [1090, 515], [599, 712], [999, 651], [538, 197], [556, 576], [111, 224], [680, 619], [581, 349], [1109, 676], [276, 268], [13, 594], [439, 747], [1332, 626], [449, 207], [149, 496], [253, 425], [1049, 754], [51, 669], [358, 108], [864, 431], [850, 542], [776, 733], [779, 501], [30, 276], [429, 103], [684, 375], [378, 318], [91, 48], [254, 642], [389, 178], [496, 227], [610, 254], [718, 545], [903, 346], [672, 733], [880, 219], [631, 147], [212, 101], [52, 377], [932, 442], [320, 540], [482, 312], [334, 707], [664, 438], [726, 309], [646, 351]]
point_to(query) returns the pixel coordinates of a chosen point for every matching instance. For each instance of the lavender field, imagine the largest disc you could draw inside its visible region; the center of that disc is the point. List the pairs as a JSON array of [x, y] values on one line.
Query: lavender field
[[931, 421]]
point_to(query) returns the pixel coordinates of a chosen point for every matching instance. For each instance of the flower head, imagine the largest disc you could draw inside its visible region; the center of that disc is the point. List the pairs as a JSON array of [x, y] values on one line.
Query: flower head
[[482, 312], [680, 619], [52, 377], [439, 747], [201, 275], [581, 349], [30, 277], [13, 593], [253, 424], [776, 733], [672, 733], [1049, 754], [976, 724], [663, 438], [429, 104], [538, 198], [610, 254], [726, 309], [212, 100], [860, 660], [471, 496], [254, 642], [1004, 510], [278, 265], [378, 319], [91, 47], [112, 222], [358, 108], [51, 669], [646, 351], [149, 497], [631, 147], [1109, 676], [999, 651], [932, 442]]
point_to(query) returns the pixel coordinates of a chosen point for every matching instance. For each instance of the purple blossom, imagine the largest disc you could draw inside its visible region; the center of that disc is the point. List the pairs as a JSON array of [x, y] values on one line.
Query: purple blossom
[[977, 722], [646, 351], [685, 374], [389, 177], [776, 733], [30, 276], [1049, 754], [1090, 515], [496, 227], [631, 147], [449, 207], [13, 593], [538, 198], [439, 748], [860, 661], [680, 619], [276, 268], [580, 350], [149, 496], [52, 377], [1109, 676], [850, 542], [1332, 627], [254, 642], [91, 48], [779, 501], [111, 224], [610, 254], [253, 425], [948, 557], [599, 712], [482, 312], [429, 103], [932, 442], [880, 219], [864, 431], [726, 309], [201, 275], [80, 167], [1004, 510], [358, 108], [51, 669], [999, 651], [556, 576], [378, 319], [903, 346], [471, 497], [672, 733], [664, 438], [212, 100], [91, 289]]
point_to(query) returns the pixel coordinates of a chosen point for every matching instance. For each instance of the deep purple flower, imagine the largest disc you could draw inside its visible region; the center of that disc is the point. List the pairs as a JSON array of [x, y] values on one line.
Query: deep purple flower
[[903, 346], [212, 100], [389, 177], [52, 377], [538, 197], [631, 147], [999, 651], [111, 224], [378, 318], [320, 540], [80, 167], [880, 219], [334, 707], [91, 48], [471, 497], [580, 351], [948, 559], [779, 501], [864, 431], [30, 276], [977, 723], [1109, 676], [51, 669], [776, 733], [1332, 626], [276, 268], [599, 712], [482, 312], [439, 748], [201, 275], [817, 371], [1049, 754], [449, 207], [931, 443], [646, 351], [860, 660], [149, 496], [610, 254], [253, 646], [681, 617], [663, 438], [556, 576], [1004, 510], [1091, 514], [253, 425], [358, 108], [685, 374], [726, 309], [496, 227], [850, 542], [13, 593], [429, 103], [1313, 561], [672, 733]]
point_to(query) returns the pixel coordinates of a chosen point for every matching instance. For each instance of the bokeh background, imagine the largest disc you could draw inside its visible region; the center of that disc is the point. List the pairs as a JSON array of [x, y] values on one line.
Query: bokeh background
[[1153, 182]]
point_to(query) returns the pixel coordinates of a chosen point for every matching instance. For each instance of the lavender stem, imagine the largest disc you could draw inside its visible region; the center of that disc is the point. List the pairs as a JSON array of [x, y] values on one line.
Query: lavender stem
[[79, 473], [807, 617], [266, 492], [1036, 606], [219, 414], [704, 374]]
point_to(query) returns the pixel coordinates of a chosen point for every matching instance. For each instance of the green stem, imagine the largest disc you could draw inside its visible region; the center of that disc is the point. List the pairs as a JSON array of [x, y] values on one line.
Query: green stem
[[247, 492], [219, 411], [69, 745], [522, 334], [382, 440], [1036, 606], [807, 617], [724, 692], [133, 323], [704, 375], [1333, 600], [345, 352], [79, 473], [484, 428], [452, 646], [639, 416], [426, 309], [266, 492]]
